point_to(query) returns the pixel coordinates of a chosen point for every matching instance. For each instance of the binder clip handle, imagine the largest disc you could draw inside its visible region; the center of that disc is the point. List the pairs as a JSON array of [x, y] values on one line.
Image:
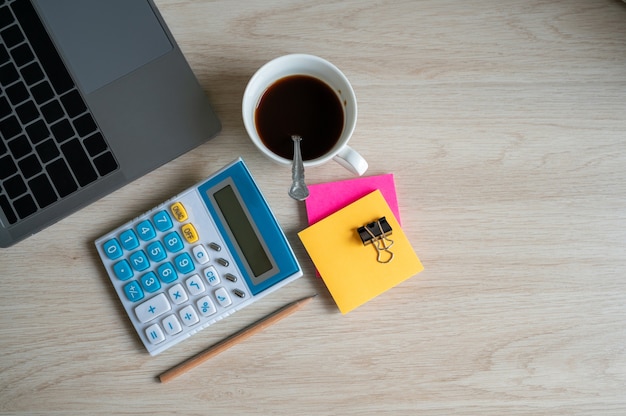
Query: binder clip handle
[[376, 233]]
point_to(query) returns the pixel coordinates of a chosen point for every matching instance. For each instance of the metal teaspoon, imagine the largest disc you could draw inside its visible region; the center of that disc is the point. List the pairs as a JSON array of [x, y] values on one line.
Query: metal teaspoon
[[298, 190]]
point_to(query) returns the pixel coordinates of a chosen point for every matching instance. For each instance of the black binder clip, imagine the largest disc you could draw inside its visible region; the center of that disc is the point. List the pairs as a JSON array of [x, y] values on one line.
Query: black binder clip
[[376, 233]]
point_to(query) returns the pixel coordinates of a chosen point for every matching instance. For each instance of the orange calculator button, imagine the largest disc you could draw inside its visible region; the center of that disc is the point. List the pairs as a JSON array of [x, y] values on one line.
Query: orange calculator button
[[179, 211], [189, 231]]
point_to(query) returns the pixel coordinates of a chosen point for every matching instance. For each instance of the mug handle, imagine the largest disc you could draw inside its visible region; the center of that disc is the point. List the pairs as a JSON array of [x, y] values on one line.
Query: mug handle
[[351, 160]]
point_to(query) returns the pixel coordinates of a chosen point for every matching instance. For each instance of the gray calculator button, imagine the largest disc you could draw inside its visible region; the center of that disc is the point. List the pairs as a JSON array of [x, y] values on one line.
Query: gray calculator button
[[200, 254], [223, 262], [205, 306], [215, 246], [152, 308], [172, 325], [177, 294], [211, 276], [155, 334], [222, 297], [194, 285], [189, 316]]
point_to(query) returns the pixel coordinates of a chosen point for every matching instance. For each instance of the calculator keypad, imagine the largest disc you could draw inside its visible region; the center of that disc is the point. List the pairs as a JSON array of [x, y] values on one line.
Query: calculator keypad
[[172, 272], [197, 258]]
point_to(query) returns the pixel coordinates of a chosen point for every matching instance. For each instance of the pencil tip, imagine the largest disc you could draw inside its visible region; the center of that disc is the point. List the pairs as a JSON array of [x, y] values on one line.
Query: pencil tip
[[307, 298]]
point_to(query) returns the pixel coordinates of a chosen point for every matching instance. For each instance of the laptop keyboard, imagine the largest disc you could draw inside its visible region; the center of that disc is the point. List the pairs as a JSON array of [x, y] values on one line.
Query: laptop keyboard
[[51, 146]]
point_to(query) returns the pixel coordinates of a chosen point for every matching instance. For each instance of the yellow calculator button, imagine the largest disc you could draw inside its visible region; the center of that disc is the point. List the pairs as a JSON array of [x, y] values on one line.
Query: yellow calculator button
[[179, 212], [189, 231]]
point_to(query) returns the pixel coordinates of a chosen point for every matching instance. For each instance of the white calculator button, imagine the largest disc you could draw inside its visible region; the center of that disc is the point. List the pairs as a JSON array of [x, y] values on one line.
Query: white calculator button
[[194, 285], [206, 306], [155, 334], [188, 315], [177, 294], [211, 276], [222, 297], [152, 308], [171, 325], [200, 254]]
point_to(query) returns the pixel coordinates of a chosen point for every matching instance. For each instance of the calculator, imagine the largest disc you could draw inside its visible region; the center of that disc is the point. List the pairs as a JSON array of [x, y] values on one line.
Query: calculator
[[197, 258]]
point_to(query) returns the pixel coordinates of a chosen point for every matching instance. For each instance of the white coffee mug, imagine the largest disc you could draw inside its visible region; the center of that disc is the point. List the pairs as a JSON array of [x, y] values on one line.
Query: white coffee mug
[[302, 64]]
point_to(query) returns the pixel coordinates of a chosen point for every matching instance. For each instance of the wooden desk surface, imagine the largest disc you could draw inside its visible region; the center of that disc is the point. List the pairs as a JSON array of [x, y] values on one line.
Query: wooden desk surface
[[505, 126]]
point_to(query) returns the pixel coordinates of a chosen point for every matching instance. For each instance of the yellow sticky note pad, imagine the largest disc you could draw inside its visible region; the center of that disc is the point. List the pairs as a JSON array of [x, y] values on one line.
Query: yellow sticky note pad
[[350, 269]]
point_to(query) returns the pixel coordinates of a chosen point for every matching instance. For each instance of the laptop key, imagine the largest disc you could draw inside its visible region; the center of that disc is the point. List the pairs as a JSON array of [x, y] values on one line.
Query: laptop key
[[62, 130], [17, 93], [105, 163], [95, 144], [8, 74], [10, 127], [7, 209], [85, 125], [25, 206], [11, 36], [47, 151], [5, 16], [5, 108], [29, 166], [61, 177], [52, 111], [42, 45], [7, 167], [43, 190], [22, 55], [79, 162], [32, 73], [15, 186], [42, 92], [73, 103], [37, 131], [27, 112], [20, 147], [4, 55]]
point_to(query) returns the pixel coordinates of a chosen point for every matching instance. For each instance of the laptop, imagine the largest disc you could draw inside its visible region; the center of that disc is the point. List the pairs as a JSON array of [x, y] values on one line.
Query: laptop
[[94, 94]]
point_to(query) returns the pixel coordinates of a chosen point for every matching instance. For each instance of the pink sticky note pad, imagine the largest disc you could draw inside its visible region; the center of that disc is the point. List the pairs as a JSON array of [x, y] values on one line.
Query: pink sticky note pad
[[327, 198]]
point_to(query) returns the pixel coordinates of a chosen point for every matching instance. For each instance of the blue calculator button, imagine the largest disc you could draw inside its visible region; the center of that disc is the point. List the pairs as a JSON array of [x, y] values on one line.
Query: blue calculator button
[[167, 273], [112, 249], [146, 231], [129, 240], [139, 260], [122, 270], [173, 242], [150, 283], [162, 221], [133, 291], [156, 251], [184, 263]]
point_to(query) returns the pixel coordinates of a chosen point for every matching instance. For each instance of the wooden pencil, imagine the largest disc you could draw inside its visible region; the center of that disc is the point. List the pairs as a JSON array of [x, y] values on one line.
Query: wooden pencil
[[234, 339]]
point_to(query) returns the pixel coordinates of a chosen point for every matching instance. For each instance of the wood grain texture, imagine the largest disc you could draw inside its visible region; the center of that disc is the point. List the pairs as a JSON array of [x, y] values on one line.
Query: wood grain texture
[[504, 125]]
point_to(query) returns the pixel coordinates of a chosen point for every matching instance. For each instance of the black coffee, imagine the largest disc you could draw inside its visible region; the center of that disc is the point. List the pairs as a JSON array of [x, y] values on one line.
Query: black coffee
[[301, 105]]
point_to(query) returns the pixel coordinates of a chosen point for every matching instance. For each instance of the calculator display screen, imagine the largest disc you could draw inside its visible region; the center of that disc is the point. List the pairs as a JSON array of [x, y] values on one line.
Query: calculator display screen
[[243, 231]]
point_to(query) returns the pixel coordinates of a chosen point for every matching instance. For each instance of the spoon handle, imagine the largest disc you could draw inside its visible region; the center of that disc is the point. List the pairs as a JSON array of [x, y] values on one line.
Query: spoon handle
[[298, 190]]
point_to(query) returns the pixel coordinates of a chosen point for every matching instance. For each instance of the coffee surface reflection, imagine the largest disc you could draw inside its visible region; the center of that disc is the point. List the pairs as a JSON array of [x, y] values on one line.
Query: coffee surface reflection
[[299, 105]]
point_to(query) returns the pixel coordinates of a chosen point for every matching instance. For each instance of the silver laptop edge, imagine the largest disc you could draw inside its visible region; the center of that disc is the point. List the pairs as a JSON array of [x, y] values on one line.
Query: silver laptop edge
[[149, 116]]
